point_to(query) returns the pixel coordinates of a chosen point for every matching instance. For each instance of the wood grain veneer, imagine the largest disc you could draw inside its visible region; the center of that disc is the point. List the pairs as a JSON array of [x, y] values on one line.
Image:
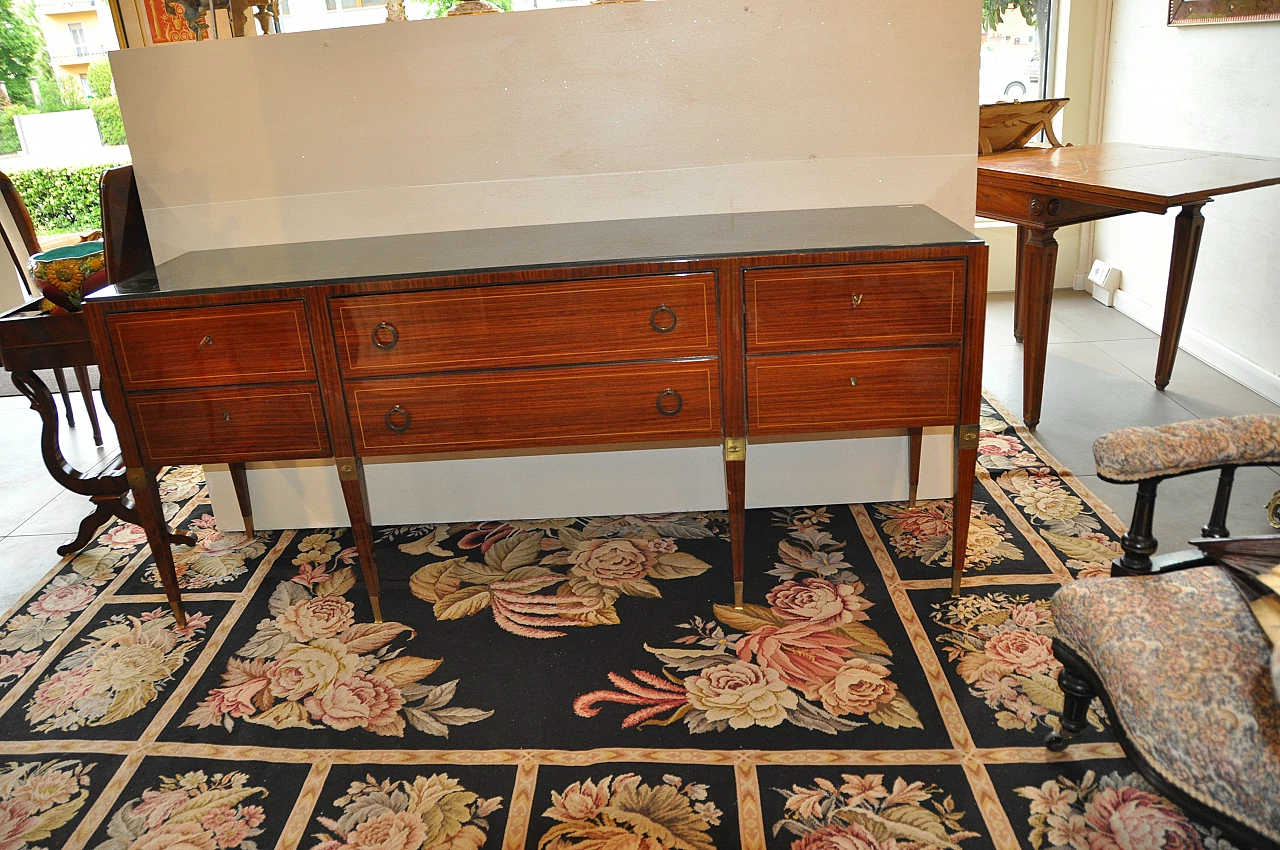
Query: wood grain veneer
[[534, 408], [560, 322], [810, 393], [230, 424], [213, 346], [856, 306]]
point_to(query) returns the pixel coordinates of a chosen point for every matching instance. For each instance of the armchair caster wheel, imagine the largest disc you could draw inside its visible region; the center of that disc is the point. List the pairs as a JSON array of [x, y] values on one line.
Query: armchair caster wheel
[[1055, 742]]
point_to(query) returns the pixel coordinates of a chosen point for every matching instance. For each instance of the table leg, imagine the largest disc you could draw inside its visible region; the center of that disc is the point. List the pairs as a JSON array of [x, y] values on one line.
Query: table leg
[[735, 476], [1017, 286], [355, 492], [240, 479], [962, 507], [915, 438], [61, 378], [1187, 230], [146, 498], [1036, 272], [86, 392]]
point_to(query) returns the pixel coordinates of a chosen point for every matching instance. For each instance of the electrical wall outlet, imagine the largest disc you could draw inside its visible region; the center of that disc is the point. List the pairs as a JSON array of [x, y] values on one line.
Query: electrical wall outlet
[[1105, 280]]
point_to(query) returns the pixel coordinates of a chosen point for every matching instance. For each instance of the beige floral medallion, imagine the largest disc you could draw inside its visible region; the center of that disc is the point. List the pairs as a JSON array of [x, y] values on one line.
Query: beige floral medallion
[[39, 798], [624, 812], [430, 813], [862, 813], [117, 671], [190, 811]]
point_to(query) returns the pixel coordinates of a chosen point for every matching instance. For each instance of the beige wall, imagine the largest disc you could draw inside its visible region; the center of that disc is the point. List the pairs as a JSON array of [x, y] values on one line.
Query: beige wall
[[1212, 88], [580, 113]]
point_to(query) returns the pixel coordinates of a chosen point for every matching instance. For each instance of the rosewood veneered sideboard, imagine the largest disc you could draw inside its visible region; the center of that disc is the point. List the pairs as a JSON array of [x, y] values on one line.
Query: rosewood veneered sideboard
[[681, 330]]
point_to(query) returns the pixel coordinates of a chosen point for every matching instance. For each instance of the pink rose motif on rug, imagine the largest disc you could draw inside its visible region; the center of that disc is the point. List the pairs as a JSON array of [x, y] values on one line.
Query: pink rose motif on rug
[[1111, 812], [923, 532], [433, 811], [862, 814], [191, 811], [38, 798], [1002, 647], [624, 812], [310, 665], [590, 563], [807, 658]]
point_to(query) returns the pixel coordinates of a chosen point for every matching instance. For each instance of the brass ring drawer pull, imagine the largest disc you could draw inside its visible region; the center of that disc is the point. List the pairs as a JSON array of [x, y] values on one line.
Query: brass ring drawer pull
[[377, 340], [663, 327], [208, 340], [664, 407], [394, 412]]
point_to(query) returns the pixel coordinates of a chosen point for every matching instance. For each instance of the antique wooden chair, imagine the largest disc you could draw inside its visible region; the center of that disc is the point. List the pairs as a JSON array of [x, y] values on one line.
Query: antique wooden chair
[[1173, 648], [20, 240]]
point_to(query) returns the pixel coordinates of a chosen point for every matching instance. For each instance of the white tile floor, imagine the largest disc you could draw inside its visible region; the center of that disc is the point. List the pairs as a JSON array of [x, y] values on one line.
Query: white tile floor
[[1098, 378]]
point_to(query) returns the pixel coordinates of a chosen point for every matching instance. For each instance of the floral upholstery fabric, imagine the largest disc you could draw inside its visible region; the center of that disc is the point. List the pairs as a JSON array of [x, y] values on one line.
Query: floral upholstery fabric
[[1187, 668], [1136, 454]]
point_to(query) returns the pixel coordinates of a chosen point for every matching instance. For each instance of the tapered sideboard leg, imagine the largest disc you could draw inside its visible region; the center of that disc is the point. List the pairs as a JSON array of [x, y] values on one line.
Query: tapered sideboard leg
[[240, 478], [146, 498], [735, 476], [915, 438], [356, 494], [966, 467]]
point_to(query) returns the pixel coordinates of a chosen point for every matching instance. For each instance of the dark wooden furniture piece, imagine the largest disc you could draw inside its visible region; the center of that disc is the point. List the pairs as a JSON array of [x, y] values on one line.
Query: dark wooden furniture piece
[[1042, 189], [684, 330], [27, 233]]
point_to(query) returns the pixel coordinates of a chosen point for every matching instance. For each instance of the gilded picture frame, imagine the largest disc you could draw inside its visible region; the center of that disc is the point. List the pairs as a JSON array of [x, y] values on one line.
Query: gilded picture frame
[[1194, 12]]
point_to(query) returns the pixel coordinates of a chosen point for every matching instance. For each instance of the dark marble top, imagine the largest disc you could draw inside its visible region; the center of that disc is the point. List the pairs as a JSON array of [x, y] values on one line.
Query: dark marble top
[[548, 245]]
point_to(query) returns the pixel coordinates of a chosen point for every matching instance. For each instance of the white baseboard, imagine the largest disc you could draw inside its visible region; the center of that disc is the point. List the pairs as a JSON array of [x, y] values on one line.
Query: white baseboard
[[1203, 348]]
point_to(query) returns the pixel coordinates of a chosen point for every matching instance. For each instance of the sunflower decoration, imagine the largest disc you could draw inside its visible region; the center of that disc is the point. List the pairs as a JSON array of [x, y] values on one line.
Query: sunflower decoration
[[64, 275]]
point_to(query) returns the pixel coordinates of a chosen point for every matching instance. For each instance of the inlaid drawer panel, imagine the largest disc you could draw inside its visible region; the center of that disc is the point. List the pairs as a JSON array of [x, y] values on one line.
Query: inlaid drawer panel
[[846, 392], [568, 322], [230, 424], [213, 346], [859, 306], [546, 407]]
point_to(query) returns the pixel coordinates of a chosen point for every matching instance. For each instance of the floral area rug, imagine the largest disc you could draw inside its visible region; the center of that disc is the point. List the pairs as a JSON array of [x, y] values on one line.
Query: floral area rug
[[576, 684]]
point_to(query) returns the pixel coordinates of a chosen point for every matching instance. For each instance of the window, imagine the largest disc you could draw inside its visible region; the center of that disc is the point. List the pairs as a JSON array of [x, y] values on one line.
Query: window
[[1015, 34], [77, 40], [332, 5]]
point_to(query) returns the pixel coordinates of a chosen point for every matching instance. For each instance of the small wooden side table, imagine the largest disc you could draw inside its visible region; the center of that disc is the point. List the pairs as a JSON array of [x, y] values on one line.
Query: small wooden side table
[[1042, 189], [31, 340]]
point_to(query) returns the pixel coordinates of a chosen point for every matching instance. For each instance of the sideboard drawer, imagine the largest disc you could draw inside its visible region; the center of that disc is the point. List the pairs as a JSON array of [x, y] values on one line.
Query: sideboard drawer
[[211, 346], [857, 306], [568, 322], [232, 424], [552, 407], [846, 392]]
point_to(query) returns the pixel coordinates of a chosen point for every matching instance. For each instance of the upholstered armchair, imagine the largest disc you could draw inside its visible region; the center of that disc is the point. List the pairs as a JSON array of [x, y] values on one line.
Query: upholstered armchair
[[1174, 649]]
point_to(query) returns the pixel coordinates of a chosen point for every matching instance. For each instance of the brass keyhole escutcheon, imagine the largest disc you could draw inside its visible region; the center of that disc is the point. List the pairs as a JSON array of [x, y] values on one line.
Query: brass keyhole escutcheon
[[856, 299], [853, 382], [663, 319], [226, 416]]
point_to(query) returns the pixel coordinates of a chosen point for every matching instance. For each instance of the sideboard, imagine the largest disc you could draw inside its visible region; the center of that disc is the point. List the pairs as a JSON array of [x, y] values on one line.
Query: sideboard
[[682, 330]]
